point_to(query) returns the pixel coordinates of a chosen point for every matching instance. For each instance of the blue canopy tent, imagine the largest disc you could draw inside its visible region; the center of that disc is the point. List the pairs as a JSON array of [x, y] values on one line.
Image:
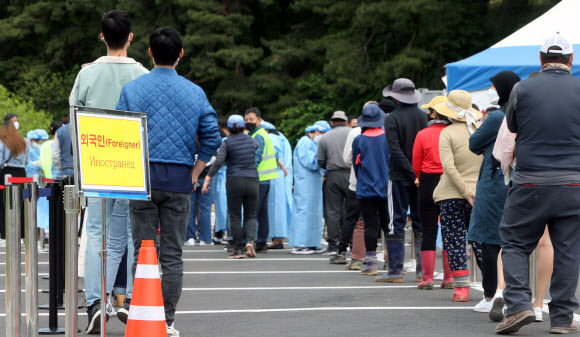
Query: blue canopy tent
[[518, 52]]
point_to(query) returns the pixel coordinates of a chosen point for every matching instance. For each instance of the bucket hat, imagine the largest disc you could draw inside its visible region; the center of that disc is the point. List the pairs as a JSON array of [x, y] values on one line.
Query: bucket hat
[[403, 90], [339, 115], [372, 117]]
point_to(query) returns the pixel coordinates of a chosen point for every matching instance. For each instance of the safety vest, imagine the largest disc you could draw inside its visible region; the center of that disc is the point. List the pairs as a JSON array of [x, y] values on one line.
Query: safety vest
[[268, 168]]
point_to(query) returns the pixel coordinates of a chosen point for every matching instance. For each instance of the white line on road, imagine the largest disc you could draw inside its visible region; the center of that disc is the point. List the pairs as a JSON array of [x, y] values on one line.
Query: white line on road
[[258, 259], [298, 288]]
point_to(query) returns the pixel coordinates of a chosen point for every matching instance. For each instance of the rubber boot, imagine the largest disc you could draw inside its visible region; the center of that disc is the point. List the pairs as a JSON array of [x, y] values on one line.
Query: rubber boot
[[428, 259], [396, 256], [447, 275], [461, 289], [370, 267], [417, 247]]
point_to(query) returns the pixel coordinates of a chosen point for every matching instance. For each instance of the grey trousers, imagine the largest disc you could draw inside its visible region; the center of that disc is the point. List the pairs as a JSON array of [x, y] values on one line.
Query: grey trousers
[[335, 194], [170, 211], [527, 211]]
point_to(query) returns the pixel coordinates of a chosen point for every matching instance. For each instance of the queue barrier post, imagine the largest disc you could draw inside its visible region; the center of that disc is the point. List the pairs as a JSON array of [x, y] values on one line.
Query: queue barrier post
[[71, 207], [13, 259], [31, 257]]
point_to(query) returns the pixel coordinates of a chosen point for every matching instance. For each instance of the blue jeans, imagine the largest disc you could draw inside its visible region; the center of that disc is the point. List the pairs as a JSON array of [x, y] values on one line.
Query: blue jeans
[[119, 238], [205, 202]]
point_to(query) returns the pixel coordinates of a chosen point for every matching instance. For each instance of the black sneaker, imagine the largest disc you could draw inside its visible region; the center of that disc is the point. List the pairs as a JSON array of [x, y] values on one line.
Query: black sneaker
[[236, 254], [339, 258], [261, 248], [123, 312], [277, 246], [94, 313], [229, 248]]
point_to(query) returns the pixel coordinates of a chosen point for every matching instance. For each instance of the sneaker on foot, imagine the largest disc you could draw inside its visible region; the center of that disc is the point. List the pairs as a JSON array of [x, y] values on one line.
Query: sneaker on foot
[[94, 314], [236, 254], [123, 312], [278, 245], [261, 249], [539, 314], [329, 252], [354, 265], [318, 250], [338, 259], [483, 306], [302, 251], [250, 250], [393, 278], [515, 322], [190, 242], [203, 243], [110, 308], [171, 332], [496, 312]]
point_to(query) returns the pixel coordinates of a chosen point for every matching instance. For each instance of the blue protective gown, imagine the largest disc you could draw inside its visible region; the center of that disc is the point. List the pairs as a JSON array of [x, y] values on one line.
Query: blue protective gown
[[306, 228], [220, 199], [42, 204], [280, 195]]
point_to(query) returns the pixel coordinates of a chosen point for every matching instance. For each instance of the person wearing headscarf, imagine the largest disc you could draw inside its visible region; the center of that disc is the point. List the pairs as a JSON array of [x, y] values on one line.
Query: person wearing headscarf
[[428, 169], [306, 228], [490, 198], [280, 196], [455, 191]]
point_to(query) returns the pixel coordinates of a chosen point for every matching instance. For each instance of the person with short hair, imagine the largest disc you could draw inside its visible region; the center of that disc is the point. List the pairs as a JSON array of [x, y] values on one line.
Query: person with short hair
[[352, 121], [238, 151], [98, 85], [329, 156], [545, 113], [177, 112]]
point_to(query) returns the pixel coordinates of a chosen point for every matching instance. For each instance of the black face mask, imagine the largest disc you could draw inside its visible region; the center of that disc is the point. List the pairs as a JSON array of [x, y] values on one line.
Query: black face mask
[[251, 126]]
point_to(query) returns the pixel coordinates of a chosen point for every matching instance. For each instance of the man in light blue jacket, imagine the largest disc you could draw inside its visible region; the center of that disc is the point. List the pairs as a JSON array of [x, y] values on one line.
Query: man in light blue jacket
[[177, 112], [99, 85]]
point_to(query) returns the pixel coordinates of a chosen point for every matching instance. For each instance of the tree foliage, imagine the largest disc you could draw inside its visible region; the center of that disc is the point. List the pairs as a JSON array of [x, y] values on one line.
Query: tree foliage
[[298, 60], [29, 118]]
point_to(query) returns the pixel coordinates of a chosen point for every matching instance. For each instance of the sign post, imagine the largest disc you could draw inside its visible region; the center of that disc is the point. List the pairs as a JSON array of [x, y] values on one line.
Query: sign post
[[111, 162]]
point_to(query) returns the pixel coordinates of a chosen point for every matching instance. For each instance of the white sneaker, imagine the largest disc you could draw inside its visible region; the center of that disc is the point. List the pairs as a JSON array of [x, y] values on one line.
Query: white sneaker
[[203, 243], [2, 243], [190, 242], [538, 312], [483, 306], [171, 332], [302, 251]]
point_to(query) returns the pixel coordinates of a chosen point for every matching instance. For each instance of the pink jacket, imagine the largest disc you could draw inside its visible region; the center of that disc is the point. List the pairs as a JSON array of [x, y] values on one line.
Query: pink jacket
[[504, 150]]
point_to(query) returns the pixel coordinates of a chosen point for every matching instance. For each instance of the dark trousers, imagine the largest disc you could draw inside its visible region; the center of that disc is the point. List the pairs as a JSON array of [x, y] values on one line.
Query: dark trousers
[[335, 194], [375, 214], [170, 212], [403, 194], [489, 268], [262, 210], [351, 217], [527, 211], [428, 210], [242, 191]]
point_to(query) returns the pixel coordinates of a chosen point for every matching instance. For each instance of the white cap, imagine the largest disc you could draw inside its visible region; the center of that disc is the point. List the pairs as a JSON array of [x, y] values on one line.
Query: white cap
[[557, 40]]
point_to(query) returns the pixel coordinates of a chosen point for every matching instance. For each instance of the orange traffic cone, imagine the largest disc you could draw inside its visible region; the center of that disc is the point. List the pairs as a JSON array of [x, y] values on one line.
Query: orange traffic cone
[[146, 313]]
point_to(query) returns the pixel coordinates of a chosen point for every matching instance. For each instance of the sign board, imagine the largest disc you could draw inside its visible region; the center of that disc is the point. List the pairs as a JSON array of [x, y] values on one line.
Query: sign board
[[111, 153]]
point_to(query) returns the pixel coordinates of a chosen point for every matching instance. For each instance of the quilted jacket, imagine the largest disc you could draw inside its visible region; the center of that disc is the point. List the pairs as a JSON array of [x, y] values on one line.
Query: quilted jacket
[[177, 110]]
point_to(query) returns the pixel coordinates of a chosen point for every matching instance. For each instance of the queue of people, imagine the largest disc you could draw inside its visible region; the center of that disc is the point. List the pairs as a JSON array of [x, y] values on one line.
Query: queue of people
[[352, 181]]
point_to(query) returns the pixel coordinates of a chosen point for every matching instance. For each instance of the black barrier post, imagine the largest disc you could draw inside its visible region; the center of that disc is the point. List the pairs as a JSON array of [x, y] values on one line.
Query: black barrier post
[[52, 306], [60, 243]]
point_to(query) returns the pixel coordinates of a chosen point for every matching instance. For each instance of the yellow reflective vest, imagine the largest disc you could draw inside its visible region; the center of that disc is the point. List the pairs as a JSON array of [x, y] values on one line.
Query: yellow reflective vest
[[268, 167]]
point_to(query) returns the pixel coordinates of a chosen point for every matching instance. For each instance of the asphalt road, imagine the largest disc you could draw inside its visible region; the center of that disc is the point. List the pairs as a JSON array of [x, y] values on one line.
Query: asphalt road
[[279, 294]]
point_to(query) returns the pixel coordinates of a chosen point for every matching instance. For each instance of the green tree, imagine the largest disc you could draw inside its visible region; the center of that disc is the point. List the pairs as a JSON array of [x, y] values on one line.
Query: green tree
[[28, 117]]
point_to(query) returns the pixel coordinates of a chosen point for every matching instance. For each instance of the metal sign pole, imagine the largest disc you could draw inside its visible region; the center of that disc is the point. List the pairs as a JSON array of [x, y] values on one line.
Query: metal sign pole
[[104, 270], [31, 258], [13, 259], [71, 207]]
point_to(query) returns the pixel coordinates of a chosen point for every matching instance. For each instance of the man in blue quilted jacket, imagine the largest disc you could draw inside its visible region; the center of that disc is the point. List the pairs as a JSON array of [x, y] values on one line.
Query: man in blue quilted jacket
[[177, 110]]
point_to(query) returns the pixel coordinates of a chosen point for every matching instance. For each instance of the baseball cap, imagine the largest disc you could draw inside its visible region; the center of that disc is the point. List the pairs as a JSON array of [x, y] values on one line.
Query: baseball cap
[[564, 47], [339, 115], [236, 119]]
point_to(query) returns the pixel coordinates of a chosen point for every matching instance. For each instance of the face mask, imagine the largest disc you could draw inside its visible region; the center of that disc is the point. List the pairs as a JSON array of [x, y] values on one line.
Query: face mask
[[317, 139], [493, 96], [251, 126], [35, 145], [16, 125]]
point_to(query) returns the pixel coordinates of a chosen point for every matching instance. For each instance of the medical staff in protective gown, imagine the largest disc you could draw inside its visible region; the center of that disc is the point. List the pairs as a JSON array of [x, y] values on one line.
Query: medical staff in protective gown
[[36, 138], [306, 228], [280, 196]]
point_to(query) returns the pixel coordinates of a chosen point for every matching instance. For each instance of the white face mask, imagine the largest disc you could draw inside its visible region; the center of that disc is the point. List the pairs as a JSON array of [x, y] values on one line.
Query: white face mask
[[493, 96], [16, 125], [317, 139]]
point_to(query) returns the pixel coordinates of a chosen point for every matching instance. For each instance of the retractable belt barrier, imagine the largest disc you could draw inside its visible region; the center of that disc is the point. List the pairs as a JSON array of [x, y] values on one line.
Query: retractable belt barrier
[[24, 191]]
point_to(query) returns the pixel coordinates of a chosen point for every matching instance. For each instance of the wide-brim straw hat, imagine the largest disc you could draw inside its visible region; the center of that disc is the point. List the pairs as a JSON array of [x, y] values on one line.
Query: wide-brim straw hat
[[434, 102], [403, 90], [458, 102]]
